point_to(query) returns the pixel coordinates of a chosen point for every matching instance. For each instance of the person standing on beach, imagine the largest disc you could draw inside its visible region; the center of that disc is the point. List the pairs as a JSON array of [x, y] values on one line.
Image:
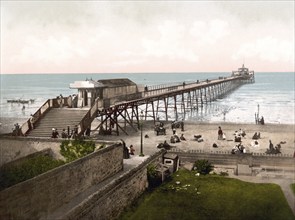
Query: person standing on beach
[[220, 133], [60, 100], [182, 125], [271, 148]]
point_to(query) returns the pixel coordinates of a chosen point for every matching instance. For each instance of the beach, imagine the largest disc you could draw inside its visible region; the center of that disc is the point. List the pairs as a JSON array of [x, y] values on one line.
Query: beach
[[277, 133], [7, 124]]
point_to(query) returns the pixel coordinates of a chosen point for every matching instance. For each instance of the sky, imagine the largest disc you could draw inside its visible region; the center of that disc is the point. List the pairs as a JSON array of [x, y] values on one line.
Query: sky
[[146, 36]]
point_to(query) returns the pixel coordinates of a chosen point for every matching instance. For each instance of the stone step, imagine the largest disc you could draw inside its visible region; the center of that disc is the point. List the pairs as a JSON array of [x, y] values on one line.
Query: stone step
[[59, 118]]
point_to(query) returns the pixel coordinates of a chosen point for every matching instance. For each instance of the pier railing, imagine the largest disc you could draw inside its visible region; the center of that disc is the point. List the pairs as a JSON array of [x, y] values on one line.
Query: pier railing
[[89, 116], [159, 89], [50, 103]]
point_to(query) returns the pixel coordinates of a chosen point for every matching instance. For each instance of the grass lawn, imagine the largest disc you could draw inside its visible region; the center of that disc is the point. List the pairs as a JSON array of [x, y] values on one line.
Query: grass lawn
[[210, 197]]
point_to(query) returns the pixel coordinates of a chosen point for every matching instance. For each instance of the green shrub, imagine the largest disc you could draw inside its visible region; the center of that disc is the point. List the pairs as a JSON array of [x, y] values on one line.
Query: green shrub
[[74, 149], [203, 167], [13, 174], [153, 177], [222, 173]]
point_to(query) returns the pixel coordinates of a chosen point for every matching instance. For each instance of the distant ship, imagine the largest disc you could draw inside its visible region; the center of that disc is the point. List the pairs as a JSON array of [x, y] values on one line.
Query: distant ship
[[242, 72], [22, 101]]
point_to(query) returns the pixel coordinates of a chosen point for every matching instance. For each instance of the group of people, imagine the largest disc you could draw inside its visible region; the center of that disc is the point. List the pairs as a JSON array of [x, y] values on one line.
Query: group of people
[[273, 150], [127, 150], [60, 100], [239, 134], [256, 136], [159, 129], [164, 145], [175, 138], [238, 149], [68, 135], [16, 130], [177, 124]]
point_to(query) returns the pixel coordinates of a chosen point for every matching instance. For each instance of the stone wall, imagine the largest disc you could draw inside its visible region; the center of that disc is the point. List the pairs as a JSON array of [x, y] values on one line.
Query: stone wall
[[109, 201], [40, 196], [12, 148], [45, 152], [222, 158]]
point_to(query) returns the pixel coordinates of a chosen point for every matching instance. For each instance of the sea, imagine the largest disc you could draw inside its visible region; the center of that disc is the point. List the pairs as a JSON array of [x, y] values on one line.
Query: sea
[[272, 94]]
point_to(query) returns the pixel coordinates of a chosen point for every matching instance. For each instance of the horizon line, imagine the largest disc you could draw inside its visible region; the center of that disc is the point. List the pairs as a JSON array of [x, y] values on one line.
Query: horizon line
[[140, 72]]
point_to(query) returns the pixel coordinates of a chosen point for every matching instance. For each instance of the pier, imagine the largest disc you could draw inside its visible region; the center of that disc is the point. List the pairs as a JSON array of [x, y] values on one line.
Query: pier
[[119, 104]]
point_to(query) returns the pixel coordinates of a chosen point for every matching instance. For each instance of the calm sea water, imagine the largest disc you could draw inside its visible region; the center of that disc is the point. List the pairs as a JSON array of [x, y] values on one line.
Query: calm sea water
[[273, 92]]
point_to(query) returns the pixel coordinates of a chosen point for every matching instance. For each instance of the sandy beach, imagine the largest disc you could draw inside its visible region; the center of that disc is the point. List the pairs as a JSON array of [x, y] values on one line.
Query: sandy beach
[[7, 124], [277, 133]]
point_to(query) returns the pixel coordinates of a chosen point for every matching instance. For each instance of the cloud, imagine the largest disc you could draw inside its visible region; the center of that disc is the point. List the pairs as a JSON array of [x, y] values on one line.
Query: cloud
[[170, 44], [144, 34], [51, 50], [267, 49], [209, 32]]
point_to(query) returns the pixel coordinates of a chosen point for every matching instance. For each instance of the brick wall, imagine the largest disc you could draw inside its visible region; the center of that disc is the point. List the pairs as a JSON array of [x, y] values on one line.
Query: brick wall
[[38, 197]]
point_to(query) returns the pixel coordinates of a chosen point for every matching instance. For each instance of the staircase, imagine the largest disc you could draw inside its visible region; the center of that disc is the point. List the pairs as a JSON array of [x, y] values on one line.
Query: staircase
[[59, 118]]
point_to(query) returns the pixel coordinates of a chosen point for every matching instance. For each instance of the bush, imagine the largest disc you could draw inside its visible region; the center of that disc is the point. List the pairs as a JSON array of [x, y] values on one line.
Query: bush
[[74, 149], [13, 174], [153, 177], [203, 167], [222, 173]]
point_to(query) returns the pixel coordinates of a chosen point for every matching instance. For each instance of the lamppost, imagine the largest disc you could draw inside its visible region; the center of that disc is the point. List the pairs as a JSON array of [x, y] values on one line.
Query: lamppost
[[141, 139]]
